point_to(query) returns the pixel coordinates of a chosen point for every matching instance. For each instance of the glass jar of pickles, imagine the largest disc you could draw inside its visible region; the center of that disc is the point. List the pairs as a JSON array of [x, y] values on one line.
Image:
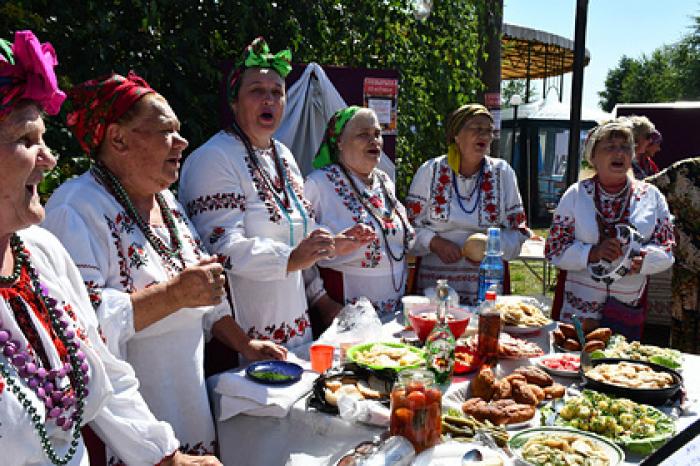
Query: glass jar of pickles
[[416, 406]]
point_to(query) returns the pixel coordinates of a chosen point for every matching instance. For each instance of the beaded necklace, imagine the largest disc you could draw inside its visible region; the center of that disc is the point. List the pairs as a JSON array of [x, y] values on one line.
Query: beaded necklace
[[21, 368], [169, 254], [476, 189], [391, 209], [287, 192], [619, 201]]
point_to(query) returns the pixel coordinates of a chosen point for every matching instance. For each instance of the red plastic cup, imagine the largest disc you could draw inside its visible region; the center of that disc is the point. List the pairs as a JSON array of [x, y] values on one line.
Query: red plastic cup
[[321, 357]]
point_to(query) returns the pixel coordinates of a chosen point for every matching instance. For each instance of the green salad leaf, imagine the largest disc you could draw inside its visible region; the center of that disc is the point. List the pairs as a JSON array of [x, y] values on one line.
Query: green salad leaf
[[619, 347]]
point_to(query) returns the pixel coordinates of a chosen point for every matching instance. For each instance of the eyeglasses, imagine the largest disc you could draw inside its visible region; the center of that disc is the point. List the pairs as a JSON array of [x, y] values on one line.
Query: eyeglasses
[[610, 147], [479, 130]]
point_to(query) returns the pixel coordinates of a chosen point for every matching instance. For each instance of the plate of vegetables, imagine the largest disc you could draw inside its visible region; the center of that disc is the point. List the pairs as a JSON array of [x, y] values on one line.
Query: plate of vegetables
[[619, 347], [274, 372], [635, 427]]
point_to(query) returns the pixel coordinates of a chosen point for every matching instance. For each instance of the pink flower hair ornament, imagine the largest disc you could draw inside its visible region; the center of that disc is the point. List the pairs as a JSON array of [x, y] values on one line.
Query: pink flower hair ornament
[[27, 73]]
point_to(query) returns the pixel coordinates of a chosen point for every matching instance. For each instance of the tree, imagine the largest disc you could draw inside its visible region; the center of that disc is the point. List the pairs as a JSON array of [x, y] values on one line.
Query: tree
[[669, 73], [516, 86], [179, 47]]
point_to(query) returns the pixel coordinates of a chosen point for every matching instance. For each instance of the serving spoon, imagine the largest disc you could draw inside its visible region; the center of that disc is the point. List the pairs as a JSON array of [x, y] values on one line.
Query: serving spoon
[[585, 358]]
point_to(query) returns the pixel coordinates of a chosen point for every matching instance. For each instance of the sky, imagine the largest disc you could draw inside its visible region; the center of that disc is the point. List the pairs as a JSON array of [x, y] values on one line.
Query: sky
[[615, 28]]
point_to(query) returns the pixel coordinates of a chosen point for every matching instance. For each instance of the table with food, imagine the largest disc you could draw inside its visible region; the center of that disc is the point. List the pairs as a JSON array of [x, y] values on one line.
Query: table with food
[[551, 395]]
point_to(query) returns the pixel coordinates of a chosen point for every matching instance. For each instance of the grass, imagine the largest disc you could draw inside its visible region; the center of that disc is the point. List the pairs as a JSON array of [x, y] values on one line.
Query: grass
[[523, 281]]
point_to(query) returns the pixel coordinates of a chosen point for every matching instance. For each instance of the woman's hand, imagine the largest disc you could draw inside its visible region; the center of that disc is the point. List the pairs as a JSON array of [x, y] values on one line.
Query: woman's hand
[[446, 250], [351, 239], [608, 249], [180, 459], [257, 350], [198, 285], [318, 245]]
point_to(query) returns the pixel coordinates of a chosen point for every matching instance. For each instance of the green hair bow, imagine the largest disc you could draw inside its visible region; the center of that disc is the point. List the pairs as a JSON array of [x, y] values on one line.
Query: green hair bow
[[328, 151], [257, 55]]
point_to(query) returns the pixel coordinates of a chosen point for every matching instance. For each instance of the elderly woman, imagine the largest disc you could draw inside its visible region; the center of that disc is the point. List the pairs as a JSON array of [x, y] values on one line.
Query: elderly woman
[[680, 183], [461, 193], [643, 131], [244, 193], [643, 164], [156, 292], [56, 374], [584, 239], [348, 188]]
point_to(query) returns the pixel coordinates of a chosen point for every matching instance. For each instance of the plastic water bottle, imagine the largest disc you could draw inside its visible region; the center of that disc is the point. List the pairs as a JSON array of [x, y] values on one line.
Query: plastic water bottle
[[491, 268]]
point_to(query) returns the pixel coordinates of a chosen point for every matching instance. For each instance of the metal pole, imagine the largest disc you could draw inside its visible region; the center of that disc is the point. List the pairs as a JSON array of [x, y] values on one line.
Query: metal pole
[[512, 145], [572, 161], [527, 76], [561, 79]]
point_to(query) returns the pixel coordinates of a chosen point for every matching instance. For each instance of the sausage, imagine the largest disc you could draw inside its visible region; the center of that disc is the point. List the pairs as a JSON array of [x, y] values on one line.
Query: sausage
[[601, 334], [593, 345], [568, 330], [559, 337], [572, 345]]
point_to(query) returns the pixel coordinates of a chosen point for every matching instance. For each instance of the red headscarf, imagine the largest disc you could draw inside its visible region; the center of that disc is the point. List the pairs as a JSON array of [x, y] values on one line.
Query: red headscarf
[[26, 73], [97, 103]]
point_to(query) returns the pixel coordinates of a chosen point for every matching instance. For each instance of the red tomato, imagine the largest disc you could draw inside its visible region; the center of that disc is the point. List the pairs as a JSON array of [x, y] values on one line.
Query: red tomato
[[416, 400], [415, 386], [402, 417], [433, 395]]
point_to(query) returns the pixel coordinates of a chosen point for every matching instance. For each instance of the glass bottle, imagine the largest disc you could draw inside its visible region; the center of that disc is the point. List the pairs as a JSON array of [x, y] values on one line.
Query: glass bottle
[[440, 344], [416, 407], [489, 329], [491, 269]]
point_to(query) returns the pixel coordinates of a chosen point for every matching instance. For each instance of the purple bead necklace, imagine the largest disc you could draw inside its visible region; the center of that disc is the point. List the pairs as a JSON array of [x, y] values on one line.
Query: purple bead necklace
[[60, 389]]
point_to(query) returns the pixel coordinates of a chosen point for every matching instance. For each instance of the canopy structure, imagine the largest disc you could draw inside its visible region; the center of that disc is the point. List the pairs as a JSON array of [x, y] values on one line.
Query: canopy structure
[[532, 54]]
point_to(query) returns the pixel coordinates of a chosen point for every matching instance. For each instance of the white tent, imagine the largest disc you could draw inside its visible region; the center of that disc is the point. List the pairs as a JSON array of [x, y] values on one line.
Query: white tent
[[551, 109], [311, 101]]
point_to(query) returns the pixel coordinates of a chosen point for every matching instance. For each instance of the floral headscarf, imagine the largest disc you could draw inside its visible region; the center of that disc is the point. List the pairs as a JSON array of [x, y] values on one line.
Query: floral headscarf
[[97, 103], [603, 131], [328, 151], [455, 121], [27, 73], [257, 55]]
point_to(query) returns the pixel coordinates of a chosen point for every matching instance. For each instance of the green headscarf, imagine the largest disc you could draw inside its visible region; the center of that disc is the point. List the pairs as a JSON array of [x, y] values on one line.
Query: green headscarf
[[257, 55], [328, 151]]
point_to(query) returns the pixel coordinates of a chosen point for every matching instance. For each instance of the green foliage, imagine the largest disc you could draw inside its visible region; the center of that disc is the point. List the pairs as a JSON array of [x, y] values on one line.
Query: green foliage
[[669, 73], [516, 86], [179, 46]]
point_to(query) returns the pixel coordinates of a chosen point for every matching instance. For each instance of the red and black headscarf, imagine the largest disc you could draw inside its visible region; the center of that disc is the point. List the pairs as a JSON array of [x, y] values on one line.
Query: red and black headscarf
[[97, 103]]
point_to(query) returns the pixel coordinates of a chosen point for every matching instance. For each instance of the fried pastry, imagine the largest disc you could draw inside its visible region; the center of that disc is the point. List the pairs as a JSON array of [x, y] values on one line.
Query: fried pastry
[[538, 391], [502, 390], [522, 393], [554, 391], [535, 375], [483, 384]]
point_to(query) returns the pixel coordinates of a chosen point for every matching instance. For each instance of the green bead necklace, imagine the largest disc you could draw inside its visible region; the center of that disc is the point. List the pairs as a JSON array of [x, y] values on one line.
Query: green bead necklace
[[168, 254], [76, 381], [17, 253]]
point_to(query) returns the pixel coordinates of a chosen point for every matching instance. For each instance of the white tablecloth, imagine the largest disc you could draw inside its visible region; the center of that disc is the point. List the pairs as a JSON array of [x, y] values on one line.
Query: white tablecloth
[[309, 438]]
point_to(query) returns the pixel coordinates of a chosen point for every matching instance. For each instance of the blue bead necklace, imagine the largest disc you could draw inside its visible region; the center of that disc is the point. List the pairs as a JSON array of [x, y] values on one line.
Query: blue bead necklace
[[476, 189]]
